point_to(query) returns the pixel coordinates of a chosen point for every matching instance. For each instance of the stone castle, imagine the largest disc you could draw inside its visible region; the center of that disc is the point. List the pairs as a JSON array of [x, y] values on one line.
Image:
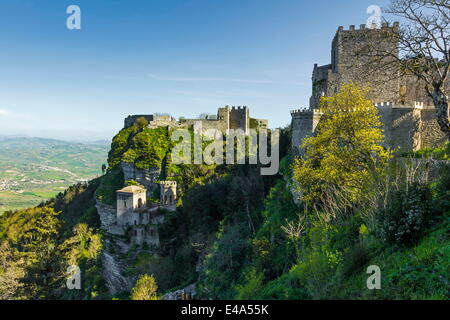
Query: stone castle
[[137, 219], [227, 119], [407, 113]]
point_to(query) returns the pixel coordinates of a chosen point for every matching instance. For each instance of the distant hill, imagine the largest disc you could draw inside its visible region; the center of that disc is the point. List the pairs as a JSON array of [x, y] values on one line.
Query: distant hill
[[34, 169]]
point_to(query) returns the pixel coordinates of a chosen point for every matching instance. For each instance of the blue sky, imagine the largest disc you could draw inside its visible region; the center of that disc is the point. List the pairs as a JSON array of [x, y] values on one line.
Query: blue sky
[[183, 57]]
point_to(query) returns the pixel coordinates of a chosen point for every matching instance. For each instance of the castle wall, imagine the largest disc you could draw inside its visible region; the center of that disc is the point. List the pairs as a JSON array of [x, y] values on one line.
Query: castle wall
[[407, 124], [168, 195], [162, 121], [220, 125], [147, 178], [399, 126], [430, 134], [304, 124], [145, 235]]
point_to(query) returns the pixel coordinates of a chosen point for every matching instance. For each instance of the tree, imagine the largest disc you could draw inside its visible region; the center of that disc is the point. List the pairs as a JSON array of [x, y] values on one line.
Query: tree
[[423, 50], [146, 289], [346, 152], [141, 122], [207, 116], [12, 271]]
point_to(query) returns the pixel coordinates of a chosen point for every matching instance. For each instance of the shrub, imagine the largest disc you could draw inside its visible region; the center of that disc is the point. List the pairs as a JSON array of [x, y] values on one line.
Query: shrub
[[406, 216], [145, 289], [354, 260]]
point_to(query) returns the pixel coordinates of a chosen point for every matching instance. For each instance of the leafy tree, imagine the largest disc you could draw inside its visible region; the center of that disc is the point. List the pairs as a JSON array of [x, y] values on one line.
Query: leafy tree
[[146, 289], [12, 272], [141, 122], [346, 152]]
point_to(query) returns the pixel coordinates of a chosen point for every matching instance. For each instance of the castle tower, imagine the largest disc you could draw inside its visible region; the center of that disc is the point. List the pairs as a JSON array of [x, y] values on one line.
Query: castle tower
[[223, 114], [168, 198], [240, 119], [129, 199], [304, 124], [349, 61]]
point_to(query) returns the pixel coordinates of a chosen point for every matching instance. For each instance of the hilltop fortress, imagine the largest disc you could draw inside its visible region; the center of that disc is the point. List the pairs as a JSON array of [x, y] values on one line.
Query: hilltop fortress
[[227, 118], [407, 113]]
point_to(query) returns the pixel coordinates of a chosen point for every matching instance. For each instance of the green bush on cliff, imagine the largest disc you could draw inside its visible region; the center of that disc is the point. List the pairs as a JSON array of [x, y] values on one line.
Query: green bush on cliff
[[148, 148], [120, 144]]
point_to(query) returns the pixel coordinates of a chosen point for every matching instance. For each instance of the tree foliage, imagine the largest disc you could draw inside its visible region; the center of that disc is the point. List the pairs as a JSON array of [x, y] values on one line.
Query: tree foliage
[[346, 151], [146, 289]]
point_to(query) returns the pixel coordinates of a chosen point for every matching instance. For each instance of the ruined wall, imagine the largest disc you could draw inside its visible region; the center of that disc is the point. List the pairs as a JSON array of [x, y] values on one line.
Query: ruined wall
[[145, 235], [220, 125], [162, 121], [168, 196], [147, 178]]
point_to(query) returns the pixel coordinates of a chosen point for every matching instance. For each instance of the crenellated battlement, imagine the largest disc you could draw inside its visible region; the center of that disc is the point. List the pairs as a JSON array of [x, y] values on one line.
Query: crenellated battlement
[[305, 111], [228, 118], [405, 108], [362, 27], [413, 105], [383, 104], [169, 183], [239, 108]]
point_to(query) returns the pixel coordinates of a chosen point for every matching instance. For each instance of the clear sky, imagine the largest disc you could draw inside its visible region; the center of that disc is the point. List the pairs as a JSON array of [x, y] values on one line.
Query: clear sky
[[184, 57]]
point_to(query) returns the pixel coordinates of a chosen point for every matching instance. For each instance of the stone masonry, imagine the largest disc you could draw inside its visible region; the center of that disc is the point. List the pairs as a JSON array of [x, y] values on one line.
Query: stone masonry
[[407, 113], [227, 118]]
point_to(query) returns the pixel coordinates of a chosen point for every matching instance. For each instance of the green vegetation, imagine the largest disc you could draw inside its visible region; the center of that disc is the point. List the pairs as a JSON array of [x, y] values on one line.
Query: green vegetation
[[309, 232], [146, 289], [33, 170], [39, 244], [442, 153]]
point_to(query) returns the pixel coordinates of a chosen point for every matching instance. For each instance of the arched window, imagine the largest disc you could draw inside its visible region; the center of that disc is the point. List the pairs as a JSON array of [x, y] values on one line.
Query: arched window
[[140, 203]]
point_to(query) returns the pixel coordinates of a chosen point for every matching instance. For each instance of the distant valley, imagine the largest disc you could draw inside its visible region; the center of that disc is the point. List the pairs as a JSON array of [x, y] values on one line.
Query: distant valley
[[33, 170]]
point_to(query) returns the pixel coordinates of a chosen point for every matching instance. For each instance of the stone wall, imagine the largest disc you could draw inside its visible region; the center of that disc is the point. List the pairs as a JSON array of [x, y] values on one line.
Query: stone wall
[[240, 118], [405, 127], [227, 118], [409, 119], [147, 178], [304, 123]]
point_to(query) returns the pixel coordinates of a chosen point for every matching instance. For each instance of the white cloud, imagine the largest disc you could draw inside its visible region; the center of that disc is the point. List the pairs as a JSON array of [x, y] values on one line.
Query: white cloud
[[4, 112]]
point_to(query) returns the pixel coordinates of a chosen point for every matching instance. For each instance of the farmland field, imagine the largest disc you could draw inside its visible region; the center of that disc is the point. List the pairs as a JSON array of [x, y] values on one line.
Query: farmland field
[[33, 170]]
